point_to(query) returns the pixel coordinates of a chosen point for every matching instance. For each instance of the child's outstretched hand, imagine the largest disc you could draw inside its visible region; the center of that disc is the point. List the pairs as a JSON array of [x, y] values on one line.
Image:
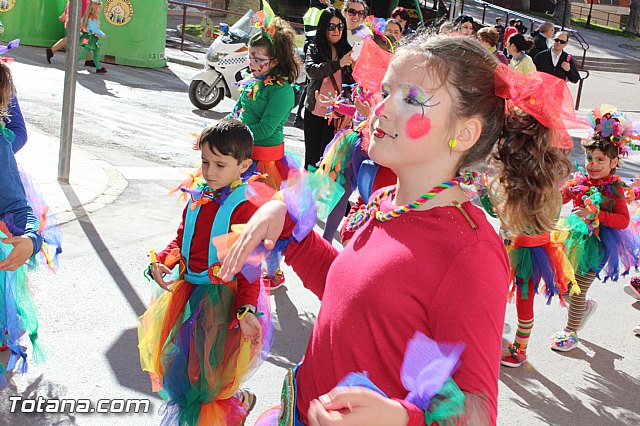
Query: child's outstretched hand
[[22, 251], [157, 270], [265, 225], [250, 327]]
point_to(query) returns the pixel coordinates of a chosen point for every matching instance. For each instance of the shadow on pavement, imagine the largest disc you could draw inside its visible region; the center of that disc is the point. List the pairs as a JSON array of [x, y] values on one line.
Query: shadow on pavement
[[209, 114], [611, 390], [291, 331], [39, 388], [123, 357], [101, 249], [611, 387]]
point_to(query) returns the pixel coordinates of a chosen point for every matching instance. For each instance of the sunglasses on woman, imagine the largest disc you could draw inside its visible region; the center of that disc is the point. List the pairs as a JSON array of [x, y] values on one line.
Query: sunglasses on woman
[[353, 12], [333, 27]]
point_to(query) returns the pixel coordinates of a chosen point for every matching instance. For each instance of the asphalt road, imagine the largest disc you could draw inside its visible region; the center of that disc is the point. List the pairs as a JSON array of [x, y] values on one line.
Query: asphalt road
[[139, 122]]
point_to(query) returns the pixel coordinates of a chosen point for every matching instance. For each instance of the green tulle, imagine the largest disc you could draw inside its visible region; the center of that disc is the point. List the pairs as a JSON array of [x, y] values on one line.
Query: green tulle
[[25, 306], [446, 405], [585, 252], [520, 259]]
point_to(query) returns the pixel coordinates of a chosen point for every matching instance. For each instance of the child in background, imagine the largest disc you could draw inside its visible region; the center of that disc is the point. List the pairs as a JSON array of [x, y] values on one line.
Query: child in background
[[266, 101], [90, 34], [188, 341], [597, 241]]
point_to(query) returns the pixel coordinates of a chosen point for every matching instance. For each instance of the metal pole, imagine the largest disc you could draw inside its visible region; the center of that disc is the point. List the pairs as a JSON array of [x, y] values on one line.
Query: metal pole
[[589, 17], [564, 14], [69, 96], [184, 24]]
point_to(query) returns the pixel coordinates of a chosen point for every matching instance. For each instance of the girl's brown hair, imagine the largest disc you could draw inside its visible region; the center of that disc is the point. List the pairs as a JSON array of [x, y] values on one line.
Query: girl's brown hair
[[283, 48], [528, 169], [6, 89]]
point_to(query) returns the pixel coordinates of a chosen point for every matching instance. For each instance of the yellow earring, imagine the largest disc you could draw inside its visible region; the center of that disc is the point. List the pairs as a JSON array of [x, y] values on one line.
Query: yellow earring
[[453, 143]]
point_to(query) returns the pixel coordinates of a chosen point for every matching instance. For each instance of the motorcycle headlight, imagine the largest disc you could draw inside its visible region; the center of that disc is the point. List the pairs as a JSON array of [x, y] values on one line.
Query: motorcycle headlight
[[213, 56]]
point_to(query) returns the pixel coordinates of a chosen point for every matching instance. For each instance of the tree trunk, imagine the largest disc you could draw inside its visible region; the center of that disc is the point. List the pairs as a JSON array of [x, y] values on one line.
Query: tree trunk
[[633, 26], [562, 13]]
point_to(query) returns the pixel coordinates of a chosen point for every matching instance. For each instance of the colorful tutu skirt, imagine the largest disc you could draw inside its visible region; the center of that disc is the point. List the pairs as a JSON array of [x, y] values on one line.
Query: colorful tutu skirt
[[540, 265], [196, 361], [18, 316], [604, 251]]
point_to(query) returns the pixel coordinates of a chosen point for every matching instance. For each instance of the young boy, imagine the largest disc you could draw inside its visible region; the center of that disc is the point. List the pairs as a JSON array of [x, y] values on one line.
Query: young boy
[[188, 338]]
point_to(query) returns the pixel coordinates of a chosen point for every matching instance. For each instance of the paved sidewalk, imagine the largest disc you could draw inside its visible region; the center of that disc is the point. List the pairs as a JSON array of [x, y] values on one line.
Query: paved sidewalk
[[93, 183]]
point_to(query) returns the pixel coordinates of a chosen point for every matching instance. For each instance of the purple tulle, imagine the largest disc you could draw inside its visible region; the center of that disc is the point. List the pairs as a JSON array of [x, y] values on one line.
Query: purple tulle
[[542, 269], [51, 232], [620, 246], [426, 367], [9, 46]]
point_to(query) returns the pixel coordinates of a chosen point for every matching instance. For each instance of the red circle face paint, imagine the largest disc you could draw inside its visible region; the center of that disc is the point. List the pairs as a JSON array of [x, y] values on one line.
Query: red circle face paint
[[418, 126]]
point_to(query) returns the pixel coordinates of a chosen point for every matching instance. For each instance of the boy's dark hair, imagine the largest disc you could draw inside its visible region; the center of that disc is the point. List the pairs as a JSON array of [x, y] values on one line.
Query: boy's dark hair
[[229, 137], [512, 21]]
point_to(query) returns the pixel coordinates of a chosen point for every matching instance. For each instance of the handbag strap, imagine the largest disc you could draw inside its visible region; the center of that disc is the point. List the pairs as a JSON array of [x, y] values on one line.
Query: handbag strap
[[335, 84]]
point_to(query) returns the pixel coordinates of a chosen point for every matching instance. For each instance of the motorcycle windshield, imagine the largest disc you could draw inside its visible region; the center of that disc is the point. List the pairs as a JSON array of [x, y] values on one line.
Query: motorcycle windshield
[[243, 29]]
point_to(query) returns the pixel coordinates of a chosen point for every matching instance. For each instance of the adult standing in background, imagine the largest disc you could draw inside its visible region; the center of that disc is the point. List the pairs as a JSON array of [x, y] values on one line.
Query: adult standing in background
[[354, 12], [517, 47], [500, 29], [556, 61], [328, 66], [543, 40], [488, 37], [311, 18], [401, 14]]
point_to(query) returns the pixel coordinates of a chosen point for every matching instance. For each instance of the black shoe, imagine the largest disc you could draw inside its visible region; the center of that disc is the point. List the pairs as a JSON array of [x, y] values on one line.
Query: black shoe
[[89, 64], [102, 70], [49, 54]]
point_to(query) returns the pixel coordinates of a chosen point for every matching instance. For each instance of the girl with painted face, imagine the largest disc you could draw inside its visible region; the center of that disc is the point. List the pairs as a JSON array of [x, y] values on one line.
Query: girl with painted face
[[424, 258], [266, 101], [599, 241], [328, 65]]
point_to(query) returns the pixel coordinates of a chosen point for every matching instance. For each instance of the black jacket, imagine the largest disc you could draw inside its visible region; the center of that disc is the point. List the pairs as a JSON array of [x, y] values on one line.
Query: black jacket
[[539, 46], [544, 63], [317, 70]]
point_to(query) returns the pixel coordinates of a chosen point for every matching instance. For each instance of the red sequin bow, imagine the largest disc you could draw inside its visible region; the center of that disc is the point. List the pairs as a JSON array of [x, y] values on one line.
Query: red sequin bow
[[545, 97]]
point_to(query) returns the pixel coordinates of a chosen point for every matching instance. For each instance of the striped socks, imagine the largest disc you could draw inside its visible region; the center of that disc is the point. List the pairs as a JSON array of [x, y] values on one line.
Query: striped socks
[[523, 333], [578, 302]]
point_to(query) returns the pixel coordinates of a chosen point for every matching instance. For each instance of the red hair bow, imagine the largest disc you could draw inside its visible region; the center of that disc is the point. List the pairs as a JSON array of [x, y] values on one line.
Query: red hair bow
[[543, 96]]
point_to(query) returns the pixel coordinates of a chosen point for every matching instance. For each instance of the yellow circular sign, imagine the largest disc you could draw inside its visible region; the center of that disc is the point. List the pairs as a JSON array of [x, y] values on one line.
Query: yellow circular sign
[[117, 12], [7, 5]]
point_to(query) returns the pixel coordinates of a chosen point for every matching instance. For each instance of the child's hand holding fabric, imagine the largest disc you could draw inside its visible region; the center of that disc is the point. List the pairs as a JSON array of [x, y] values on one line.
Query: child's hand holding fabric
[[250, 327], [158, 270]]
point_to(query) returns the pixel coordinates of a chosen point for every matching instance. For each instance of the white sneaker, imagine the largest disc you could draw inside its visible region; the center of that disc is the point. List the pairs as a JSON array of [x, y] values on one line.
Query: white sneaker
[[632, 291], [591, 307], [636, 330]]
